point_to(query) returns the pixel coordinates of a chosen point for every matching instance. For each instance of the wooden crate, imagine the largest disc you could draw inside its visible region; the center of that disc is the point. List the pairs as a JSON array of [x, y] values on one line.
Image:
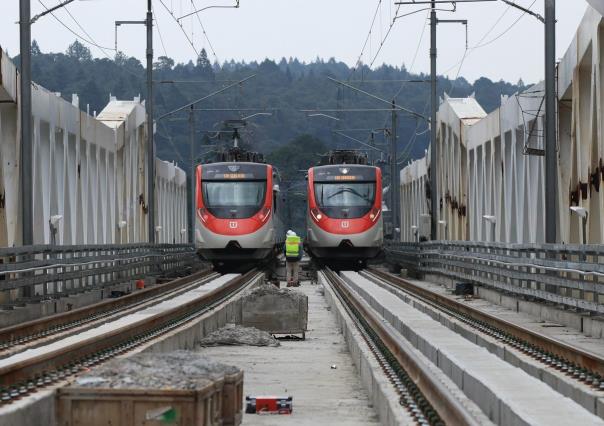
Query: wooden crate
[[232, 401], [140, 407]]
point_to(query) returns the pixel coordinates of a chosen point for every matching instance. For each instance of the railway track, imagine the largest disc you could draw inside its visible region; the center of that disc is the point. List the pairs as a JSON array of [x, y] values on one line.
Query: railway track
[[421, 393], [579, 364], [444, 378], [27, 371], [30, 334]]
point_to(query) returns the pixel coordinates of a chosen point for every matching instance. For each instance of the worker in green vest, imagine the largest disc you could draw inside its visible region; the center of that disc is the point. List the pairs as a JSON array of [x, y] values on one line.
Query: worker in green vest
[[293, 255]]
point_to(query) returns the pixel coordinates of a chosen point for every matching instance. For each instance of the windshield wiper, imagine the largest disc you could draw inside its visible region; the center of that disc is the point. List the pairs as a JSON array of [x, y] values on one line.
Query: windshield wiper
[[361, 196]]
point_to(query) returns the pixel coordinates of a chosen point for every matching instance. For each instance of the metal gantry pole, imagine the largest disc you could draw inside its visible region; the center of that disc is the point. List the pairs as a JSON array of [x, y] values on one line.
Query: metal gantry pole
[[26, 162], [394, 176], [551, 172], [150, 143], [433, 127], [192, 180]]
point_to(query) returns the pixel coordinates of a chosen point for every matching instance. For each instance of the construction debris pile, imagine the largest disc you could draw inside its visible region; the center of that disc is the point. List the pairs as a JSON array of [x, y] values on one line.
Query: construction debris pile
[[267, 289], [232, 334], [174, 370]]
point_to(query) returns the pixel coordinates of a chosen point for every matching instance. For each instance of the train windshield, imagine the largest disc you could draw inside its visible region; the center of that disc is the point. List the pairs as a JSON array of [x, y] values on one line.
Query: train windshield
[[233, 199], [345, 199]]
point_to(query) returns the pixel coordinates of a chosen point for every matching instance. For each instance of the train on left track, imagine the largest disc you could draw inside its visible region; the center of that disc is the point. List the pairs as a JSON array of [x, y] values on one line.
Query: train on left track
[[239, 211]]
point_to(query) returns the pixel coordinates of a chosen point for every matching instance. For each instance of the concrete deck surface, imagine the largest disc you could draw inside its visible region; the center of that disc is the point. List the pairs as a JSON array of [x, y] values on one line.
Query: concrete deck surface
[[302, 369]]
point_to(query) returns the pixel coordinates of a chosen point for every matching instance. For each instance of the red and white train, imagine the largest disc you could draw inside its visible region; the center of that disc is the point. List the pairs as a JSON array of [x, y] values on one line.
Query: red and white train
[[344, 218], [239, 212]]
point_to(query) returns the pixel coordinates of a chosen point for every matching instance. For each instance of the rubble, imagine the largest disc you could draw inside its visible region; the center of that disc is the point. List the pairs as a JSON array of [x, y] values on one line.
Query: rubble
[[174, 370], [233, 334], [271, 290]]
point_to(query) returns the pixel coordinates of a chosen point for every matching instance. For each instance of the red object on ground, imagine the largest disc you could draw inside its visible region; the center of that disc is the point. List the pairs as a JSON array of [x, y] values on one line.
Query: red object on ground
[[140, 284], [269, 405]]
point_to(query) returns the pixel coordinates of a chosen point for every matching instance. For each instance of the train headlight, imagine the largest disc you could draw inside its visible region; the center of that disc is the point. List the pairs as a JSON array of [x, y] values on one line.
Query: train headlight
[[375, 213], [204, 215], [316, 214], [264, 214]]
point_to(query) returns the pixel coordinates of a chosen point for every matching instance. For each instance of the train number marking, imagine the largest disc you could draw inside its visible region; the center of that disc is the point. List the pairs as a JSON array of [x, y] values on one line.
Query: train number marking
[[345, 224], [233, 225]]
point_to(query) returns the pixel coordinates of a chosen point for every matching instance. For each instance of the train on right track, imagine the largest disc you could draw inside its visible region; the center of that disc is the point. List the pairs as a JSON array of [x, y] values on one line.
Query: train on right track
[[344, 218]]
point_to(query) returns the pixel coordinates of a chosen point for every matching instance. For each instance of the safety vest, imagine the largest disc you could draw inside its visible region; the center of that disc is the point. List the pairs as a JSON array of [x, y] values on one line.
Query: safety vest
[[292, 246]]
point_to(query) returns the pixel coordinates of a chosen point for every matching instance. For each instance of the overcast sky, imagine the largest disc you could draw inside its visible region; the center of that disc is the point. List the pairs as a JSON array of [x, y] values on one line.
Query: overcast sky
[[310, 28]]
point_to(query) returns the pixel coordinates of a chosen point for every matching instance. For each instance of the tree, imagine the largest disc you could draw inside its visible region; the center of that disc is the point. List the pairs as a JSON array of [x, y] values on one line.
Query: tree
[[203, 61], [204, 66], [35, 49], [78, 51], [164, 63]]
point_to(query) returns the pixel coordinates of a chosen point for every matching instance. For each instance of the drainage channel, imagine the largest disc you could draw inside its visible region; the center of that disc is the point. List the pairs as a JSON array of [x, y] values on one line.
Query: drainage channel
[[31, 371], [421, 394]]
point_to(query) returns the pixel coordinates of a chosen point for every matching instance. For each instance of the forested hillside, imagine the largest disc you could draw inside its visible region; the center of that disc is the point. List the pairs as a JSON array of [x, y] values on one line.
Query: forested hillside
[[287, 86]]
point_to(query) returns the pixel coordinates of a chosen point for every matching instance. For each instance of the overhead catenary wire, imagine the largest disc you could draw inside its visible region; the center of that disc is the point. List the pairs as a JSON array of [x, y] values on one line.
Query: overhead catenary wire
[[383, 40], [92, 42], [103, 49], [161, 39], [467, 50], [79, 36], [359, 59], [480, 44], [205, 34], [181, 28]]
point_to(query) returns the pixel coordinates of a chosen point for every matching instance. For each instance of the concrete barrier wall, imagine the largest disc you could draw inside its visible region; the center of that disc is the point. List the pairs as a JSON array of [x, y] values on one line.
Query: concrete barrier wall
[[490, 174], [89, 170]]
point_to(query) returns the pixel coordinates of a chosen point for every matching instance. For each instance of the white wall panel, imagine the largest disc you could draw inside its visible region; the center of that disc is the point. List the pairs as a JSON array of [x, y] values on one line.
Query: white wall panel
[[484, 164], [89, 170]]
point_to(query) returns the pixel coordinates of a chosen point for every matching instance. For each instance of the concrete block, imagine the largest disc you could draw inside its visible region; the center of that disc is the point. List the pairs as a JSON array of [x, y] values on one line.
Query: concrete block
[[577, 392], [464, 331], [276, 312], [478, 392], [489, 344], [600, 407], [425, 347], [594, 326], [36, 410], [450, 366]]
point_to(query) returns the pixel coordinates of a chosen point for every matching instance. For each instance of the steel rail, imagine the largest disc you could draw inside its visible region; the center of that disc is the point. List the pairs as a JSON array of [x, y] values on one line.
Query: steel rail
[[547, 344], [44, 328], [65, 361], [450, 410]]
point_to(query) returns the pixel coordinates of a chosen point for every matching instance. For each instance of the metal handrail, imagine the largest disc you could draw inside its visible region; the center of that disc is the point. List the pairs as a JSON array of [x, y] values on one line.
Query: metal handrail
[[549, 272]]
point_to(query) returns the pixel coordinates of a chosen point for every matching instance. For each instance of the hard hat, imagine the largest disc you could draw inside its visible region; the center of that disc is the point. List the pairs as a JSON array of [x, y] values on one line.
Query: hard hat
[[290, 233]]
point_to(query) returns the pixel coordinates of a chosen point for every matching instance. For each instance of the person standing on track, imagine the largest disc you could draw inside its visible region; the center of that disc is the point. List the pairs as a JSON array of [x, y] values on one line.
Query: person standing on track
[[293, 255]]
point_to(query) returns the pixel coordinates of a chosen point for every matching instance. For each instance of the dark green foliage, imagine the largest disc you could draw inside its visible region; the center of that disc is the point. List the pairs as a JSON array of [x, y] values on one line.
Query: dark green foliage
[[293, 160], [77, 51]]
